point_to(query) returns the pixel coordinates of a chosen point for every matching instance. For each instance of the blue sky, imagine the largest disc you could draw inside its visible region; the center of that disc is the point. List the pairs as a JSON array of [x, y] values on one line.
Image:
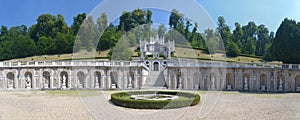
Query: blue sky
[[267, 12]]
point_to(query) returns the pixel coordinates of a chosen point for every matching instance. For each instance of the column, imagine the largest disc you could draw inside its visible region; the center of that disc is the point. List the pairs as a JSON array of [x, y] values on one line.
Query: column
[[102, 83], [70, 80]]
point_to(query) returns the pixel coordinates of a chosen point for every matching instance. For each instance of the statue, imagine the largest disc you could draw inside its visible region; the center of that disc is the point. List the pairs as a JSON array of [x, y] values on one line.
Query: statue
[[97, 81], [179, 83], [245, 83], [130, 82], [28, 80], [64, 81], [280, 84], [213, 86], [46, 83]]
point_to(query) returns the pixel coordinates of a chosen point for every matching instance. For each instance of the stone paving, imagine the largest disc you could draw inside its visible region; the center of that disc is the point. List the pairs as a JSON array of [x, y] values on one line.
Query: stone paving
[[41, 105]]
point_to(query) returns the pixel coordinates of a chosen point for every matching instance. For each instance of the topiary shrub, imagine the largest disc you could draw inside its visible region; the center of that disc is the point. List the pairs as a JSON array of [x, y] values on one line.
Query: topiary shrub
[[185, 99]]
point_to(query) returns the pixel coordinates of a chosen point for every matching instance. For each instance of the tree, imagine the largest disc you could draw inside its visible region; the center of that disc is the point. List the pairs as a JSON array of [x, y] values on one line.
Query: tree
[[102, 23], [174, 19], [20, 46], [121, 51], [46, 45], [224, 31], [285, 46], [161, 30], [237, 35], [77, 21], [88, 33], [131, 38], [138, 16], [249, 38], [232, 50], [109, 38], [149, 17], [262, 40], [126, 22]]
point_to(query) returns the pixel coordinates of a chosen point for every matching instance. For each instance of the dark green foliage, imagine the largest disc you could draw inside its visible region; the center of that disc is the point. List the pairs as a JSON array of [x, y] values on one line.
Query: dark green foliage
[[121, 51], [285, 46], [122, 99], [51, 35], [232, 49]]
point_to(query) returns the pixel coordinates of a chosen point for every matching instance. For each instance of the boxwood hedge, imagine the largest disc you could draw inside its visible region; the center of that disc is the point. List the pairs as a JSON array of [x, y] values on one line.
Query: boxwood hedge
[[185, 99]]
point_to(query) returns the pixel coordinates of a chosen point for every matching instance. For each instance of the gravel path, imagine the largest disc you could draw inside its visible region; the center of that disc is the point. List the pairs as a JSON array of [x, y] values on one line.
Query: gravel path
[[41, 105]]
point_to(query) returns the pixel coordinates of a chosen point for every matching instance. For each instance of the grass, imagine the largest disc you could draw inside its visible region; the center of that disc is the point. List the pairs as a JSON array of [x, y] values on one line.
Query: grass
[[202, 55], [73, 93], [181, 52]]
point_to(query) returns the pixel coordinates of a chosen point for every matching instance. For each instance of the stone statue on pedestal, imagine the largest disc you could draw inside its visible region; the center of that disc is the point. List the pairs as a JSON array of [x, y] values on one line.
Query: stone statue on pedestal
[[28, 82], [130, 82], [64, 81], [179, 84], [97, 81], [245, 83], [213, 85], [280, 84], [45, 83]]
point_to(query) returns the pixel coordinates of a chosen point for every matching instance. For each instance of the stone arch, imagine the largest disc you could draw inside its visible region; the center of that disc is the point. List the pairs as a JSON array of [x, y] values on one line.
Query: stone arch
[[10, 80], [131, 81], [64, 79], [81, 79], [297, 83], [28, 80], [229, 81], [114, 79], [196, 80], [156, 66], [263, 81], [280, 82], [246, 81], [98, 79], [46, 79]]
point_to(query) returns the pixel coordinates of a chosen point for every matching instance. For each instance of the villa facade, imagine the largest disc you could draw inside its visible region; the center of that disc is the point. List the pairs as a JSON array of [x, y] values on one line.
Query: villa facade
[[165, 74], [153, 73]]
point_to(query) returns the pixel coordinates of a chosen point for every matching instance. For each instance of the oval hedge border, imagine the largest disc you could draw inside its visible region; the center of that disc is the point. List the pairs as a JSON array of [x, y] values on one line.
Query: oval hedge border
[[185, 99]]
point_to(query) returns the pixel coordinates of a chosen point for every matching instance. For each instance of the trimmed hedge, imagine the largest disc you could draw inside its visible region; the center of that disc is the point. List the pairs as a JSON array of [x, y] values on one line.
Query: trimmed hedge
[[185, 99]]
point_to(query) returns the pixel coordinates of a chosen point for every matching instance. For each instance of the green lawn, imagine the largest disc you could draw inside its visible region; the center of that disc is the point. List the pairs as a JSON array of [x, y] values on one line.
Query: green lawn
[[180, 53]]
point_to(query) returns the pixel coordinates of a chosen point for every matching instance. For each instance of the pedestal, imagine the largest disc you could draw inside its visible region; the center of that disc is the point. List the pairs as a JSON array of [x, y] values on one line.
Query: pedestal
[[196, 87], [113, 86], [46, 86], [246, 87], [63, 86], [298, 89], [10, 87], [280, 88], [179, 86], [229, 87], [263, 88], [213, 87], [28, 86], [80, 86], [97, 85], [129, 86]]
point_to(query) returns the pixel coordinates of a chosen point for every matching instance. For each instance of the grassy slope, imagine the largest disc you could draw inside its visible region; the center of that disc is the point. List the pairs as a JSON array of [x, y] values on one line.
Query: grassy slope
[[180, 53]]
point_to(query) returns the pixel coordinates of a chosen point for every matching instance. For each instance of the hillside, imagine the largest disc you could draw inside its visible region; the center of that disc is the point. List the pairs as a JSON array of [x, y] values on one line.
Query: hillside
[[180, 53]]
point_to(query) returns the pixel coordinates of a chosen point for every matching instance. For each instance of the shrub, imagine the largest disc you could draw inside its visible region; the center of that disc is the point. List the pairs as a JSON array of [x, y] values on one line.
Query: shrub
[[185, 99]]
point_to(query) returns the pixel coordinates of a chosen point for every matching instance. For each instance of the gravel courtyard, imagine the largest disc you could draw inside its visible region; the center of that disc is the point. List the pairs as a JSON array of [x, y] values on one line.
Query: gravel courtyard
[[85, 105]]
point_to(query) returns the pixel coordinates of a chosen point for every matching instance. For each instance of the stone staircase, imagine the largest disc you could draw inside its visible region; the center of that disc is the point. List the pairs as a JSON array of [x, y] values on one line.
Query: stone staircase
[[155, 80]]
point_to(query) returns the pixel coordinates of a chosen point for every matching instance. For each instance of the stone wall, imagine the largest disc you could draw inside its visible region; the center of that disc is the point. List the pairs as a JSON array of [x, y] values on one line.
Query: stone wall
[[37, 78], [250, 79]]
